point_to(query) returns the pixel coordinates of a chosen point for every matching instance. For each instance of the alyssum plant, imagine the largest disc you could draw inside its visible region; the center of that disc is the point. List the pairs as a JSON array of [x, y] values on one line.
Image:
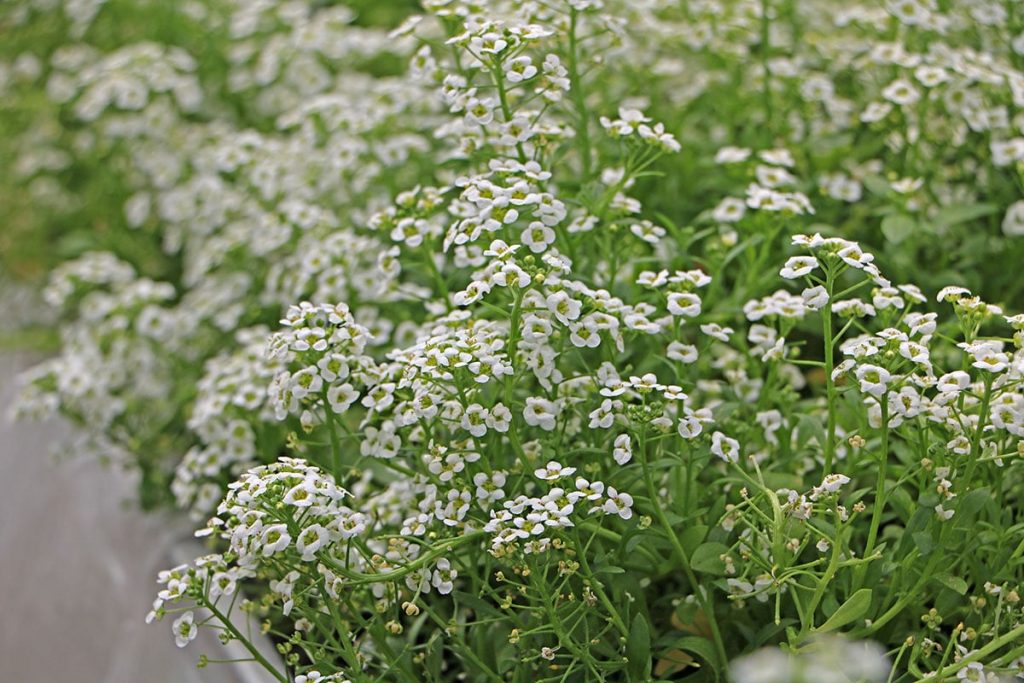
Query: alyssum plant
[[525, 519], [553, 396], [598, 450]]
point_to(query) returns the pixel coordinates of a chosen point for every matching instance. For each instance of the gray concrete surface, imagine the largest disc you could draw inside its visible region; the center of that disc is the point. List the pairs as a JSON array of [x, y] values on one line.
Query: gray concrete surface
[[78, 565]]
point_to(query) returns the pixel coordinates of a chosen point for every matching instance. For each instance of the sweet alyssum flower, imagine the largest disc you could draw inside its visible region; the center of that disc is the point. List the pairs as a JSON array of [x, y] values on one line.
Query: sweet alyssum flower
[[476, 273]]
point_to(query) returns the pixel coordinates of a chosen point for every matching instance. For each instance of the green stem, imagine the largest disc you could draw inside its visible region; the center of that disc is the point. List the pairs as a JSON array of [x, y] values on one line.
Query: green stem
[[616, 618], [576, 89], [830, 384], [335, 442], [826, 578], [986, 400], [467, 652], [977, 655], [506, 110], [908, 597], [257, 655], [684, 560], [765, 40], [879, 503], [512, 348]]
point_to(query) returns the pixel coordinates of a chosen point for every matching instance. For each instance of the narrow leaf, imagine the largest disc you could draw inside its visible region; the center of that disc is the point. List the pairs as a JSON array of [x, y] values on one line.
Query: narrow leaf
[[851, 610]]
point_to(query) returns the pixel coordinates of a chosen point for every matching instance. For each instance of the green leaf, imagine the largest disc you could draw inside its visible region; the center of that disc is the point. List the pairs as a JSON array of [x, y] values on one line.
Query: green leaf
[[633, 542], [971, 503], [923, 541], [961, 213], [851, 610], [702, 647], [876, 184], [744, 246], [829, 605], [707, 558], [953, 583], [692, 537], [897, 227], [638, 650], [435, 655]]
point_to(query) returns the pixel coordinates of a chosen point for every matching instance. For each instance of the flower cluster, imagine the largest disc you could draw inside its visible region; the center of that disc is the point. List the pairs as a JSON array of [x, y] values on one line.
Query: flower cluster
[[530, 340]]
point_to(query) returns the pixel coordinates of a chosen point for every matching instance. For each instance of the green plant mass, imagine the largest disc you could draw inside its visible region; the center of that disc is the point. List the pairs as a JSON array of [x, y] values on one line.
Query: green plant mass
[[568, 340]]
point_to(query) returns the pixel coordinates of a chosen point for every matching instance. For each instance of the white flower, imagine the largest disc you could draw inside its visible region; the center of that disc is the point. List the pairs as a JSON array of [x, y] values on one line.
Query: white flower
[[623, 449], [717, 331], [901, 92], [537, 237], [275, 538], [873, 379], [586, 334], [617, 503], [1013, 220], [684, 304], [814, 297], [875, 111], [540, 412], [603, 416], [473, 292], [444, 576], [222, 583], [952, 293], [724, 447], [909, 12], [185, 629], [480, 112], [731, 155], [563, 306], [489, 487], [931, 76], [300, 495], [954, 382], [657, 135], [974, 672], [683, 353], [798, 266], [647, 231], [310, 540], [474, 419], [773, 176], [690, 427], [729, 210], [519, 69], [499, 418], [382, 442], [778, 156], [914, 352], [553, 471], [992, 361], [589, 490], [306, 381], [488, 43], [1005, 152], [832, 482], [906, 186], [853, 256]]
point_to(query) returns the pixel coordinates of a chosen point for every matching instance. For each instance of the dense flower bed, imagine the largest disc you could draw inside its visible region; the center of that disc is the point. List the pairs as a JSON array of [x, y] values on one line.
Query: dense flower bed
[[576, 341]]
